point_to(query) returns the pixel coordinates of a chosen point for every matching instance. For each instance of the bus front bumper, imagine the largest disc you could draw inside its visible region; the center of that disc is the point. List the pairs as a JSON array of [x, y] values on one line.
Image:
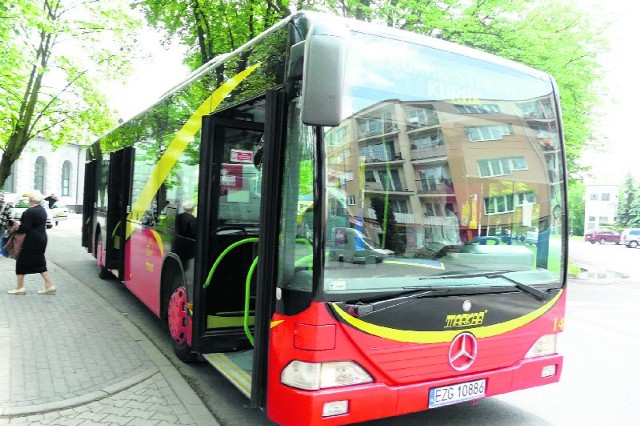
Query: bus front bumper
[[377, 400]]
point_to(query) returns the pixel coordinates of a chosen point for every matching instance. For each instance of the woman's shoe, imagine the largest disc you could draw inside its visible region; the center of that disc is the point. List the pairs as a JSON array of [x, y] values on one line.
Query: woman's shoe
[[17, 291], [50, 290]]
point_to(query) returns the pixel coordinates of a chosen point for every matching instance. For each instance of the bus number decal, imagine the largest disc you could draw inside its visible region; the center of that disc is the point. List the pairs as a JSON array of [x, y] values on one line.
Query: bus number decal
[[558, 324]]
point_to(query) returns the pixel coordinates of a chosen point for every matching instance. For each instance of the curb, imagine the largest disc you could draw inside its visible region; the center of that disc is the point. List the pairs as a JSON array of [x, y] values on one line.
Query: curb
[[79, 400]]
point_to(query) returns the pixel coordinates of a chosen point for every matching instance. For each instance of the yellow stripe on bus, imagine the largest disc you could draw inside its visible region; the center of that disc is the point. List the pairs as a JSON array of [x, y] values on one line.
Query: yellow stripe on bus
[[180, 142], [412, 336]]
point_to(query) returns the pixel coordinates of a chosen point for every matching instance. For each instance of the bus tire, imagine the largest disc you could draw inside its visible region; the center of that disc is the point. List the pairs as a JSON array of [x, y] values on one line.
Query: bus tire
[[177, 322]]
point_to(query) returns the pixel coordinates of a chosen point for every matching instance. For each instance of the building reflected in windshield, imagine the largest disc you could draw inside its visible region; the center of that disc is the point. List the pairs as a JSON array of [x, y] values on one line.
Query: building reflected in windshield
[[447, 173]]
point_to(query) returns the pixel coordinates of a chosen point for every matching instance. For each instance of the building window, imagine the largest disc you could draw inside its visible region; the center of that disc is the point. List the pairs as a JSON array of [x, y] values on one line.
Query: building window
[[40, 169], [420, 117], [351, 200], [384, 180], [370, 127], [65, 185], [477, 108], [434, 209], [398, 206], [488, 133], [594, 197], [501, 166], [379, 152], [508, 203], [434, 178], [336, 136], [604, 197], [429, 140]]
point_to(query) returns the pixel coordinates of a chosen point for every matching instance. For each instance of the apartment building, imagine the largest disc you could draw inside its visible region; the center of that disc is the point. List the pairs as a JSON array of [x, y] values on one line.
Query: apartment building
[[600, 206]]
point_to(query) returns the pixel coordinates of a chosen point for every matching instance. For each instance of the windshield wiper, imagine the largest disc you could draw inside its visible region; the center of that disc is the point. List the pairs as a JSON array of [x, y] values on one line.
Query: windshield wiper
[[531, 291], [465, 275], [369, 305]]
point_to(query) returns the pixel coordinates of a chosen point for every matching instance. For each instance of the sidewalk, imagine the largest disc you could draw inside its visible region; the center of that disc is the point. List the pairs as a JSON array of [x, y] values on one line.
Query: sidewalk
[[71, 359]]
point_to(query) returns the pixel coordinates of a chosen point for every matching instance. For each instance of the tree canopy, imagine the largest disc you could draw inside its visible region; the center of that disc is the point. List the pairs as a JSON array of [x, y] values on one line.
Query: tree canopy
[[628, 213], [55, 54]]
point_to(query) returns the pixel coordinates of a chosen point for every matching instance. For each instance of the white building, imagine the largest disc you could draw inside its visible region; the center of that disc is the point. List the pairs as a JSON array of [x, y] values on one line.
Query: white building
[[59, 171], [600, 206]]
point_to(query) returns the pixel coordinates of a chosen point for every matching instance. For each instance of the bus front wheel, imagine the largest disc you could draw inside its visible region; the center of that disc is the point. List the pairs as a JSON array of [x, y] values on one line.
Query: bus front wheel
[[177, 321]]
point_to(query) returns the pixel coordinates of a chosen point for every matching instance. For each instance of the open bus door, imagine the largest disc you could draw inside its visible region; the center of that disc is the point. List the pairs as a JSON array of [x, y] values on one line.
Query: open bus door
[[237, 225], [119, 190], [89, 204]]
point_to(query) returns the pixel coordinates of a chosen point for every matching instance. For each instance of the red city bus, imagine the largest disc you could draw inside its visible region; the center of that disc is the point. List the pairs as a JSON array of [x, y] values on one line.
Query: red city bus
[[344, 218]]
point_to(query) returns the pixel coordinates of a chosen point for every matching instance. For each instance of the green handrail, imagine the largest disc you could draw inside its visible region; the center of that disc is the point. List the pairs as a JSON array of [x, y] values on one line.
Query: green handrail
[[247, 298], [247, 283], [115, 229], [223, 254]]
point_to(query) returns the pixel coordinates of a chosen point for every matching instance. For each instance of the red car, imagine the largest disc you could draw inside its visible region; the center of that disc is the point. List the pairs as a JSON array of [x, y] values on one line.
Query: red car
[[602, 236]]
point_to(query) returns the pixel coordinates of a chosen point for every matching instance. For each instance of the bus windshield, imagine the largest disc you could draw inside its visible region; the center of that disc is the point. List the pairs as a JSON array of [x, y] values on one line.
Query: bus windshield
[[448, 165]]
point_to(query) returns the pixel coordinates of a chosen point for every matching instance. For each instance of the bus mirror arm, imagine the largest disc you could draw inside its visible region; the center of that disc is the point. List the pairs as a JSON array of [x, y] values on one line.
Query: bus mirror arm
[[323, 74]]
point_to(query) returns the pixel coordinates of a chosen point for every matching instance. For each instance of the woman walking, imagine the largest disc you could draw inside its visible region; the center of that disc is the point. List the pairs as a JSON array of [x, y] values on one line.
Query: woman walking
[[31, 258]]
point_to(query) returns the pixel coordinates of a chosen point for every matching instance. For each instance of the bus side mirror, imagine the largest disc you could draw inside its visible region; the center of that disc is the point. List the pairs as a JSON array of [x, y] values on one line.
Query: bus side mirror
[[323, 74]]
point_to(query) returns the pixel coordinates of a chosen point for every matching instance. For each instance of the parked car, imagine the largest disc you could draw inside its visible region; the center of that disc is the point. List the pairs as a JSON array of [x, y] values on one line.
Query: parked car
[[60, 211], [22, 203], [531, 237], [350, 245], [630, 237], [602, 236]]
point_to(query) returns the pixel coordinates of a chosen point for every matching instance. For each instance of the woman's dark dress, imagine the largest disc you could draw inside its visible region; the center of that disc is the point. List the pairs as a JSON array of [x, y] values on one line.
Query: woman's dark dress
[[33, 223]]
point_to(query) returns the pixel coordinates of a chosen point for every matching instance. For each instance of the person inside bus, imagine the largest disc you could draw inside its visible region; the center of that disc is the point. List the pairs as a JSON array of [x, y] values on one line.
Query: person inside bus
[[184, 245]]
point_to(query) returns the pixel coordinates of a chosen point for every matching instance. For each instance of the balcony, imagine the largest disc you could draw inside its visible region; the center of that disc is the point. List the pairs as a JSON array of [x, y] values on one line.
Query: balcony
[[443, 188], [376, 133], [406, 218], [431, 120], [383, 158], [377, 186], [428, 152]]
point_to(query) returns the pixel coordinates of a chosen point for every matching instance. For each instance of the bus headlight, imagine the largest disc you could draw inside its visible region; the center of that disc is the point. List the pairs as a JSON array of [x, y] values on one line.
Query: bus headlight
[[314, 376], [546, 345]]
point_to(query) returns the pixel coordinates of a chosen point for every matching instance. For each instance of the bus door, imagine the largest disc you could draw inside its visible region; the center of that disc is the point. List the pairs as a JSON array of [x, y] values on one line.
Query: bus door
[[228, 230], [119, 190], [231, 221], [89, 204]]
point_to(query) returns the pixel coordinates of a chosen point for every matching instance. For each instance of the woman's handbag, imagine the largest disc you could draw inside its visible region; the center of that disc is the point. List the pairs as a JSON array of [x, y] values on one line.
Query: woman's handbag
[[13, 245]]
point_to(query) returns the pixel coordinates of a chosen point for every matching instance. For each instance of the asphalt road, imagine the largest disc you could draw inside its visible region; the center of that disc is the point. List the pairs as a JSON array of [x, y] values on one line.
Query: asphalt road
[[600, 345]]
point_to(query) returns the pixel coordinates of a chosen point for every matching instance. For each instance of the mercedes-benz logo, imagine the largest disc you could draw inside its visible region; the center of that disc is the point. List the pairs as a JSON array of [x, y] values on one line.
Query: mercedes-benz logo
[[463, 351]]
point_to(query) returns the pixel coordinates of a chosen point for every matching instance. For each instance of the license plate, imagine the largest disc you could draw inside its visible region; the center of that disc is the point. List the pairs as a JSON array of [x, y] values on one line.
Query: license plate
[[453, 394]]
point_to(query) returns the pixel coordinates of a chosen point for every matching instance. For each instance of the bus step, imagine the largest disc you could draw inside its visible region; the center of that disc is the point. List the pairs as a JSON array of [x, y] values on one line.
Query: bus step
[[235, 366]]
